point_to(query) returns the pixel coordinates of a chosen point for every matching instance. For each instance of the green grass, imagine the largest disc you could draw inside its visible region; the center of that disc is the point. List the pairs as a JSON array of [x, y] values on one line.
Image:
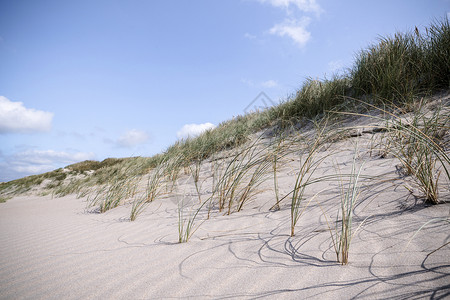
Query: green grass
[[23, 185], [350, 193], [416, 142], [188, 226], [195, 169], [344, 224], [113, 193], [92, 165], [398, 69], [401, 66], [389, 76], [418, 156], [416, 139], [115, 185], [238, 179]]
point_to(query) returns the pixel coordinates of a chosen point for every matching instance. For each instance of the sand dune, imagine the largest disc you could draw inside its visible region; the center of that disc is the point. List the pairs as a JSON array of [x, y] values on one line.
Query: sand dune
[[55, 249]]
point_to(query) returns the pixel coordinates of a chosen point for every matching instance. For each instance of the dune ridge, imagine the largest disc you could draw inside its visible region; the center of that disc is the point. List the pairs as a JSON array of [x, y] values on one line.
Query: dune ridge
[[57, 248]]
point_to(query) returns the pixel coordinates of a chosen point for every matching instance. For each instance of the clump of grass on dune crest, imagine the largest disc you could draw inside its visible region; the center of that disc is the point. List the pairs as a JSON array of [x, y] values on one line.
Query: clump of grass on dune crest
[[93, 165], [25, 184], [227, 135], [390, 69], [76, 178], [313, 99], [401, 66], [438, 53]]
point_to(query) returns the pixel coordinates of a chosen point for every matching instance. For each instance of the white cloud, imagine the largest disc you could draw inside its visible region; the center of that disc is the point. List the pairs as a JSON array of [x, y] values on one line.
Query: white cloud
[[133, 138], [193, 130], [15, 117], [270, 83], [264, 84], [295, 29], [25, 170], [303, 5], [32, 162], [47, 157]]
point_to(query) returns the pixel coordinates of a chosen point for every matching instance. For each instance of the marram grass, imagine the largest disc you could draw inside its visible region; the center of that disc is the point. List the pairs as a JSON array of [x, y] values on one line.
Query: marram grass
[[397, 68]]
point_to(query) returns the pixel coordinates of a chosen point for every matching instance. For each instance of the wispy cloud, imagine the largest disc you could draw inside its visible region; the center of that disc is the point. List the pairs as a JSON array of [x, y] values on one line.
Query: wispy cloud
[[31, 162], [303, 5], [270, 83], [16, 118], [249, 36], [45, 157], [133, 138], [294, 26], [264, 84], [193, 130], [294, 29]]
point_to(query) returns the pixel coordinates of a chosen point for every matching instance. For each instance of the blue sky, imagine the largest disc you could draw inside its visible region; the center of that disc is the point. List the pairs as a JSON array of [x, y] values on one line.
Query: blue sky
[[97, 79]]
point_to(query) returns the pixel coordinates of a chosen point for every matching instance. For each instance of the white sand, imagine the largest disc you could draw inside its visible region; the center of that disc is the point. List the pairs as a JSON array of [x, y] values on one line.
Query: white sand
[[54, 249]]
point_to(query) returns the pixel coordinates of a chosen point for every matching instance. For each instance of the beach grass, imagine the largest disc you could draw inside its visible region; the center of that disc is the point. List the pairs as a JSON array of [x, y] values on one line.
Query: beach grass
[[398, 68], [187, 225], [281, 149], [195, 169], [416, 140], [401, 66], [344, 220], [391, 77], [445, 220], [309, 162], [239, 176], [388, 83], [418, 149]]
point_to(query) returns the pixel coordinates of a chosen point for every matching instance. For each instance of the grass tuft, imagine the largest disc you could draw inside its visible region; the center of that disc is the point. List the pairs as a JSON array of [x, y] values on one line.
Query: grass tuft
[[404, 65], [349, 196]]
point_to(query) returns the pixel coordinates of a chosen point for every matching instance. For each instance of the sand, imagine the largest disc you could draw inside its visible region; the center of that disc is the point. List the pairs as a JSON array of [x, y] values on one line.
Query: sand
[[53, 248]]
